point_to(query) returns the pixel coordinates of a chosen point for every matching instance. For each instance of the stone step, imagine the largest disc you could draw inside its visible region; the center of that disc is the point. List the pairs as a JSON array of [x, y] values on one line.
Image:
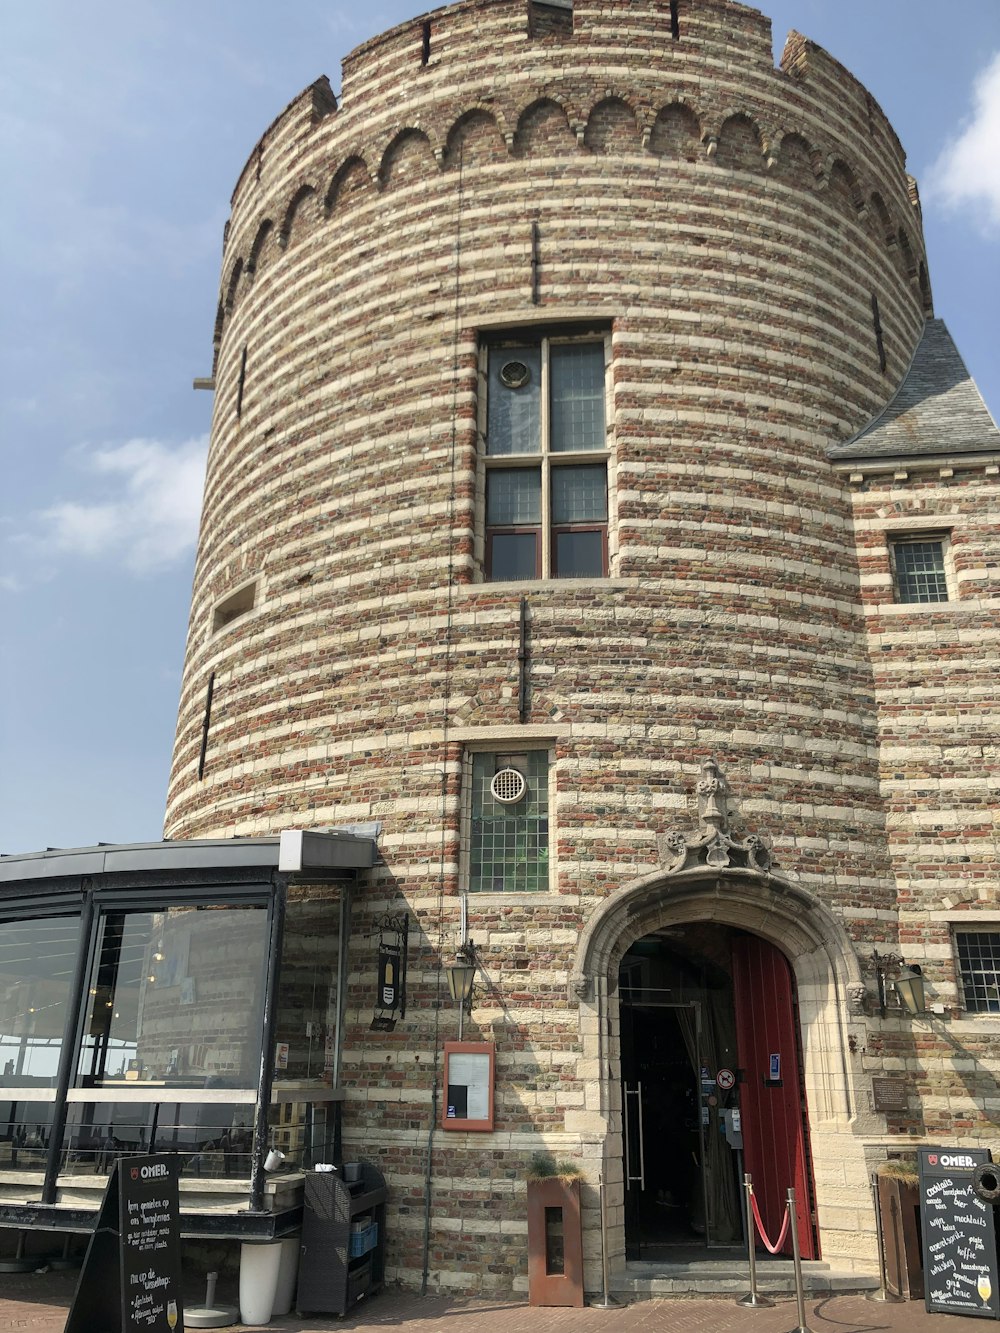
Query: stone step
[[722, 1277]]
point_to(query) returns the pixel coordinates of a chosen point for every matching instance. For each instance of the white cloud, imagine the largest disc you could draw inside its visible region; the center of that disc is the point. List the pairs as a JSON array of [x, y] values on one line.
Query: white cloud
[[966, 173], [147, 515]]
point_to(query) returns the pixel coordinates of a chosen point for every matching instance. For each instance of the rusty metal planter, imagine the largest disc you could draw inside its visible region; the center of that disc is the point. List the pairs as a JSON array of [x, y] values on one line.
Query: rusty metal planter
[[899, 1203], [555, 1242]]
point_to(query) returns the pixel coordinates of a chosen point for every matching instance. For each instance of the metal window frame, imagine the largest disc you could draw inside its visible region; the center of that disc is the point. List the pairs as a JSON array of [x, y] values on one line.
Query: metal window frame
[[942, 538], [961, 973]]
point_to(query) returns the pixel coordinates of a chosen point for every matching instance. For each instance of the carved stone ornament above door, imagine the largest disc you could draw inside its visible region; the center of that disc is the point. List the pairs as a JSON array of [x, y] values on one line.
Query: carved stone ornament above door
[[713, 845]]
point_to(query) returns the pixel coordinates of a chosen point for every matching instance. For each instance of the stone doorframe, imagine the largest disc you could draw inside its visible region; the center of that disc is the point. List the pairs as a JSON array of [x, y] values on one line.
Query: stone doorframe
[[828, 983]]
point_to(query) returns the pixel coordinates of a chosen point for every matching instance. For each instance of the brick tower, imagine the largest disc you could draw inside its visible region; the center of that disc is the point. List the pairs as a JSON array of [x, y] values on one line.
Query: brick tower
[[557, 389]]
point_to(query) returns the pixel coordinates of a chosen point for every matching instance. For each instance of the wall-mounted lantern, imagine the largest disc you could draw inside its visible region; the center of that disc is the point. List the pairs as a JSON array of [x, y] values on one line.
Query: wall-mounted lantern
[[461, 975]]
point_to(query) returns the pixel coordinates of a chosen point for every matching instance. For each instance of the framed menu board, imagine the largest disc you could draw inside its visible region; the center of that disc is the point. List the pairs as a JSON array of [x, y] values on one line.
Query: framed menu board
[[468, 1085], [959, 1236]]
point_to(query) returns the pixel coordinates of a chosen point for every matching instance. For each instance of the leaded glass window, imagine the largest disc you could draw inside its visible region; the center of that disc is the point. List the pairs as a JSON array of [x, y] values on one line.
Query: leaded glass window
[[919, 569], [509, 842]]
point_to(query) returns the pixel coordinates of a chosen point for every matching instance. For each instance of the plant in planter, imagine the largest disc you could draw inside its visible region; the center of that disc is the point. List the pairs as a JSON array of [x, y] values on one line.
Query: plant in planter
[[555, 1235], [899, 1206]]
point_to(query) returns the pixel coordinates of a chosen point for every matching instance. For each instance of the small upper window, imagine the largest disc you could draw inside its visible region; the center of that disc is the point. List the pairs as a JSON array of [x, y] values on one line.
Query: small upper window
[[918, 568], [235, 605], [546, 459], [979, 970]]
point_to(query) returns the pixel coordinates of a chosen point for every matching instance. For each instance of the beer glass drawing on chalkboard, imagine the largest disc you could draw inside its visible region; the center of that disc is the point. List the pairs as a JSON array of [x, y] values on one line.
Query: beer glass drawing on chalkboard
[[985, 1289], [171, 1314]]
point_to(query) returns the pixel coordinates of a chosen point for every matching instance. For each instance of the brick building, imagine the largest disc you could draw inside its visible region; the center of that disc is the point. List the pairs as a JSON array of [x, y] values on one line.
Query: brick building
[[598, 517]]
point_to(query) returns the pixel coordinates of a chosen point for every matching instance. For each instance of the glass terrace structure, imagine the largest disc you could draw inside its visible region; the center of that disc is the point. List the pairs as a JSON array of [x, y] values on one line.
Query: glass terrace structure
[[178, 997]]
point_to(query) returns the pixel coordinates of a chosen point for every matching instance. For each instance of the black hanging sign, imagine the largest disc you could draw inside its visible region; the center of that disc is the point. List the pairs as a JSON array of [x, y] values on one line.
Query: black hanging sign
[[959, 1237], [390, 987], [131, 1277]]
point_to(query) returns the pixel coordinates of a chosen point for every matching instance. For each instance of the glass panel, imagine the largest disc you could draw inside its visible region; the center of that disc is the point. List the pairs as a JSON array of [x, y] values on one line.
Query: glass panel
[[920, 572], [303, 1131], [979, 965], [24, 1135], [579, 555], [36, 971], [306, 1021], [211, 1139], [555, 1241], [176, 999], [509, 844], [513, 415], [579, 494], [513, 555], [577, 396], [513, 496]]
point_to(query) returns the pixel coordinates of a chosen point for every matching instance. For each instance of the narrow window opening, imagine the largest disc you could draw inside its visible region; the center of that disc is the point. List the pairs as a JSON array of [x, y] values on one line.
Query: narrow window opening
[[241, 383], [535, 264], [206, 723], [675, 23], [235, 605], [879, 341], [425, 41]]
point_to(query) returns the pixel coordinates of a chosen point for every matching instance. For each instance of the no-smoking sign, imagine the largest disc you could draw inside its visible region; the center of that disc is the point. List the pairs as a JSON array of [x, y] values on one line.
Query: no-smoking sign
[[726, 1079]]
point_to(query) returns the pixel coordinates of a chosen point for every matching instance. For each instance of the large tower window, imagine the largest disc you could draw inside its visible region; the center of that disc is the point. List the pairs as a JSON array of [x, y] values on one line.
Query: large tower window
[[545, 453]]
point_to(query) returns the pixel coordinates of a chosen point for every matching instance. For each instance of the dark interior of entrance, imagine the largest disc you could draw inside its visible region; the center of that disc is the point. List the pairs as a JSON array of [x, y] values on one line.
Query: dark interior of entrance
[[711, 1087]]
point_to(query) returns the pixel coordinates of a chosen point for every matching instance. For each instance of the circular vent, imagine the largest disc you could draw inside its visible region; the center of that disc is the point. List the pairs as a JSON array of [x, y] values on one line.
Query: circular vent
[[508, 786], [514, 374]]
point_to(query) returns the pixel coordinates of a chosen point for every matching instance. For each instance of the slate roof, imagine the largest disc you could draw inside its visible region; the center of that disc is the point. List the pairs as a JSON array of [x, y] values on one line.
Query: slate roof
[[936, 410]]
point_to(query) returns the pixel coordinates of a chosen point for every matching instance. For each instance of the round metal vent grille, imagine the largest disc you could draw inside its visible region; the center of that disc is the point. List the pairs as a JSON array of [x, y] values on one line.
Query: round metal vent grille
[[514, 374], [508, 786]]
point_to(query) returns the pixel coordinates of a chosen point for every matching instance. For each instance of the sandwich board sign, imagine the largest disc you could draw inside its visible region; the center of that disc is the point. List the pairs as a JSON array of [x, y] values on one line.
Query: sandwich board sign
[[130, 1281], [958, 1235]]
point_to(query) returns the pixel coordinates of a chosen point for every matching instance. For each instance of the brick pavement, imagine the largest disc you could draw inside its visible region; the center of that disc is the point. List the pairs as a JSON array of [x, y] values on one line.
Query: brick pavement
[[38, 1302]]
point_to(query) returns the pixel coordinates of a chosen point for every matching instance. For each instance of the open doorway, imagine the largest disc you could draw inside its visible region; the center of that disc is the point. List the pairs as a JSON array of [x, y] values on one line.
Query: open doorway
[[711, 1086]]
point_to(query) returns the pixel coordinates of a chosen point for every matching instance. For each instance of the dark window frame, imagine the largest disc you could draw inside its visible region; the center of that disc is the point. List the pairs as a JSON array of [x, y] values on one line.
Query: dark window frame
[[904, 581], [971, 980]]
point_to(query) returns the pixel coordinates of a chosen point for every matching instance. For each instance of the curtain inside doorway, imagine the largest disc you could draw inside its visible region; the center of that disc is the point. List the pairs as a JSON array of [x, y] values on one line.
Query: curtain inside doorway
[[720, 1180]]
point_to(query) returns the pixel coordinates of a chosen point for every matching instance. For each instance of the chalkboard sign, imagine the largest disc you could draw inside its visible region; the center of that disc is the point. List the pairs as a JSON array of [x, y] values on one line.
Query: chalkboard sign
[[959, 1239], [131, 1275]]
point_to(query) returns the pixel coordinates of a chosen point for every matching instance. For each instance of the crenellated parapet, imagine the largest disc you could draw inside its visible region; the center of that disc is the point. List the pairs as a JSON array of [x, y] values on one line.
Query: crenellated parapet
[[469, 88]]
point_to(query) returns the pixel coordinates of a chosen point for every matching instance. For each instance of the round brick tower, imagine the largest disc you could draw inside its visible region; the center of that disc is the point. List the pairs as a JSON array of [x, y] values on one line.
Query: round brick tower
[[530, 350]]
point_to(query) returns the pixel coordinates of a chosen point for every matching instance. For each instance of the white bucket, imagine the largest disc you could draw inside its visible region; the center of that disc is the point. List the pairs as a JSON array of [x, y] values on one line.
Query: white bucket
[[288, 1272], [259, 1267], [273, 1160]]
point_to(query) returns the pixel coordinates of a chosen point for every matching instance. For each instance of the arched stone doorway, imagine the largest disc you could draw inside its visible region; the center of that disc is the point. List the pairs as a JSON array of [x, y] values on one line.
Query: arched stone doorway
[[736, 902]]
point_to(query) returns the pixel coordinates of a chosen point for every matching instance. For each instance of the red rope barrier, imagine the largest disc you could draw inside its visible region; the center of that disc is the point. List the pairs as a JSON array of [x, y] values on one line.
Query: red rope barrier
[[760, 1227]]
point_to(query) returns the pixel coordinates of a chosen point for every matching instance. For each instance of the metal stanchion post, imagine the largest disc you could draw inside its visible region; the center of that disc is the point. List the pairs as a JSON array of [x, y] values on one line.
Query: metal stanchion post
[[800, 1296], [752, 1297], [607, 1301], [883, 1293]]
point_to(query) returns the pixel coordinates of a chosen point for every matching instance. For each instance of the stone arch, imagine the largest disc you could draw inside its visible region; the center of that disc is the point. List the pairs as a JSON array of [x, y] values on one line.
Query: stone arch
[[612, 128], [351, 179], [881, 221], [676, 133], [233, 285], [843, 188], [906, 254], [475, 140], [543, 130], [796, 162], [295, 204], [408, 158], [741, 146], [826, 968], [260, 240]]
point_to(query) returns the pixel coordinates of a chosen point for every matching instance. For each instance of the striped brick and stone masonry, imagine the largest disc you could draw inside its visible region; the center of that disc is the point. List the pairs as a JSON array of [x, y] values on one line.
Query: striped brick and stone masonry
[[749, 242]]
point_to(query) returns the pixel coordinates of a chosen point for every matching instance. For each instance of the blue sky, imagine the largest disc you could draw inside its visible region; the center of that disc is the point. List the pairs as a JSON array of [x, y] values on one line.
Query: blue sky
[[123, 127]]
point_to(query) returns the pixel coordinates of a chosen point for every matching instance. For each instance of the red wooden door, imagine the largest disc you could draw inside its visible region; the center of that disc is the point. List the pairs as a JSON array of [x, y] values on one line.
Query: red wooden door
[[772, 1103]]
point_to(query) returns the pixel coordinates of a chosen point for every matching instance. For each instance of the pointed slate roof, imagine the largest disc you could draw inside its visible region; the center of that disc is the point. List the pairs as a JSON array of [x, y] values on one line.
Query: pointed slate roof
[[936, 410]]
